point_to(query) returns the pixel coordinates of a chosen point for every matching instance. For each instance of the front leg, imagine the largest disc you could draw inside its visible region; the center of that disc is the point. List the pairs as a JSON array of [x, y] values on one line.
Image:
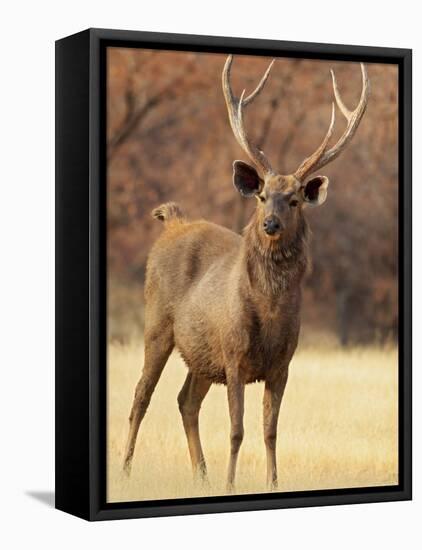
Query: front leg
[[236, 395], [273, 394]]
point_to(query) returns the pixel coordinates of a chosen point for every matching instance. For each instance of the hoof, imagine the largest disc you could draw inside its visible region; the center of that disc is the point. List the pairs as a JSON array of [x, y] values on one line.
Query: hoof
[[127, 467], [230, 488]]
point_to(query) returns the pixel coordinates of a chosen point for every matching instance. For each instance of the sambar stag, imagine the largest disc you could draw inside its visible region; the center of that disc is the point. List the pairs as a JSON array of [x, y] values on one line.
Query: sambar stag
[[231, 304]]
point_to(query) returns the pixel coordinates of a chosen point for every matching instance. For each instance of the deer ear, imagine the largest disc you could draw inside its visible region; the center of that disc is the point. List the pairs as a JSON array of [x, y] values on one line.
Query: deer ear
[[246, 179], [314, 191]]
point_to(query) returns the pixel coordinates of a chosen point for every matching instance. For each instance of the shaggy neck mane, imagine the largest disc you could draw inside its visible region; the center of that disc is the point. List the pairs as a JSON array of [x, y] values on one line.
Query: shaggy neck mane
[[274, 266]]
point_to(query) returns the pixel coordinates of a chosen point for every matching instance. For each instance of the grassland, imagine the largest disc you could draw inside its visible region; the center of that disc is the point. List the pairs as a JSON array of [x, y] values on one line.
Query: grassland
[[337, 427]]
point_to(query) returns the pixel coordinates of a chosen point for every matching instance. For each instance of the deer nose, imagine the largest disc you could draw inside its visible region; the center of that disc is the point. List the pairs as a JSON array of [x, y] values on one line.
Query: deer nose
[[272, 225]]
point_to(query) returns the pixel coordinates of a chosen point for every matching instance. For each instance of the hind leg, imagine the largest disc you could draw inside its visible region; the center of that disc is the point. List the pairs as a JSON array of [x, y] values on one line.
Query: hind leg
[[190, 398], [158, 346]]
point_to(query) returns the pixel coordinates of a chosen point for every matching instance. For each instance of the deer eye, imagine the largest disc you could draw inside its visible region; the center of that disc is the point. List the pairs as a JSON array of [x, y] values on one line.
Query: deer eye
[[261, 198], [294, 203]]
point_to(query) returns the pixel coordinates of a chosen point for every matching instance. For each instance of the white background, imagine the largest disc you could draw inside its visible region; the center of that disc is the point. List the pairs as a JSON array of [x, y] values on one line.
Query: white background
[[27, 37]]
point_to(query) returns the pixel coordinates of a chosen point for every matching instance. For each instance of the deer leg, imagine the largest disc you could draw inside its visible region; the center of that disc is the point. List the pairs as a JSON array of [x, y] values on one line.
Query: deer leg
[[190, 398], [273, 394], [236, 395], [158, 347]]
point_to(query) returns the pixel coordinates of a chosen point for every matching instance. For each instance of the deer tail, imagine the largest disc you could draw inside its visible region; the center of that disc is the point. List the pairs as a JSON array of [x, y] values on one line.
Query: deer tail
[[168, 211]]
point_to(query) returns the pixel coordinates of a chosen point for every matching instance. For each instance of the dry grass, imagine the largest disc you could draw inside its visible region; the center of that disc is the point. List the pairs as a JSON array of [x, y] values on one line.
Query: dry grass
[[337, 427]]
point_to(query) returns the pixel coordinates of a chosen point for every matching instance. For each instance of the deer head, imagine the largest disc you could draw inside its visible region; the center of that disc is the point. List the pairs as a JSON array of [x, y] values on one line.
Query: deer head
[[281, 198]]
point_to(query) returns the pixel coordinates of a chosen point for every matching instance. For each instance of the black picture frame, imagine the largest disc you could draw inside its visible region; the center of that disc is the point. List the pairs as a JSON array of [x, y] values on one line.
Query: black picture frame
[[81, 273]]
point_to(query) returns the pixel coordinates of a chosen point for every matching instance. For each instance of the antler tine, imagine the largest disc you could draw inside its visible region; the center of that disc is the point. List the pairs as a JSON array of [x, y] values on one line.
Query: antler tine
[[321, 157], [309, 163], [235, 110], [347, 114], [260, 86]]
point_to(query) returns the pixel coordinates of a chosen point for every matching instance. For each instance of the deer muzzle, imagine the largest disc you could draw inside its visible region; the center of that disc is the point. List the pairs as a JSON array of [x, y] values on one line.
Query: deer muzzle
[[272, 225]]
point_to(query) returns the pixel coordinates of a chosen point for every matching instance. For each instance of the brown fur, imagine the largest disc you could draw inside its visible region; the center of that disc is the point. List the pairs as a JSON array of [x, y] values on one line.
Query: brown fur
[[230, 305]]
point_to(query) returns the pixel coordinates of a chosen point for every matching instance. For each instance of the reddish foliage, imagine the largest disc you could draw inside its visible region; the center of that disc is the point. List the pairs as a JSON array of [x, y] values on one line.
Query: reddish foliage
[[169, 139]]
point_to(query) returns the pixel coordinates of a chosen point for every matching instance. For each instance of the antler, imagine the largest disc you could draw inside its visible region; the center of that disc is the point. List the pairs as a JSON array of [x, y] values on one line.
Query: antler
[[321, 157], [235, 109]]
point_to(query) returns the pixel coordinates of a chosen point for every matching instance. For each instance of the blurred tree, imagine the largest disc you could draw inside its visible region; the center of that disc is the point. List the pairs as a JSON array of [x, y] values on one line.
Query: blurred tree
[[169, 139]]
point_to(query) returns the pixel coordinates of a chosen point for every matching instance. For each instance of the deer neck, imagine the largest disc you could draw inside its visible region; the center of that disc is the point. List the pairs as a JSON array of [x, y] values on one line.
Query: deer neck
[[274, 267]]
